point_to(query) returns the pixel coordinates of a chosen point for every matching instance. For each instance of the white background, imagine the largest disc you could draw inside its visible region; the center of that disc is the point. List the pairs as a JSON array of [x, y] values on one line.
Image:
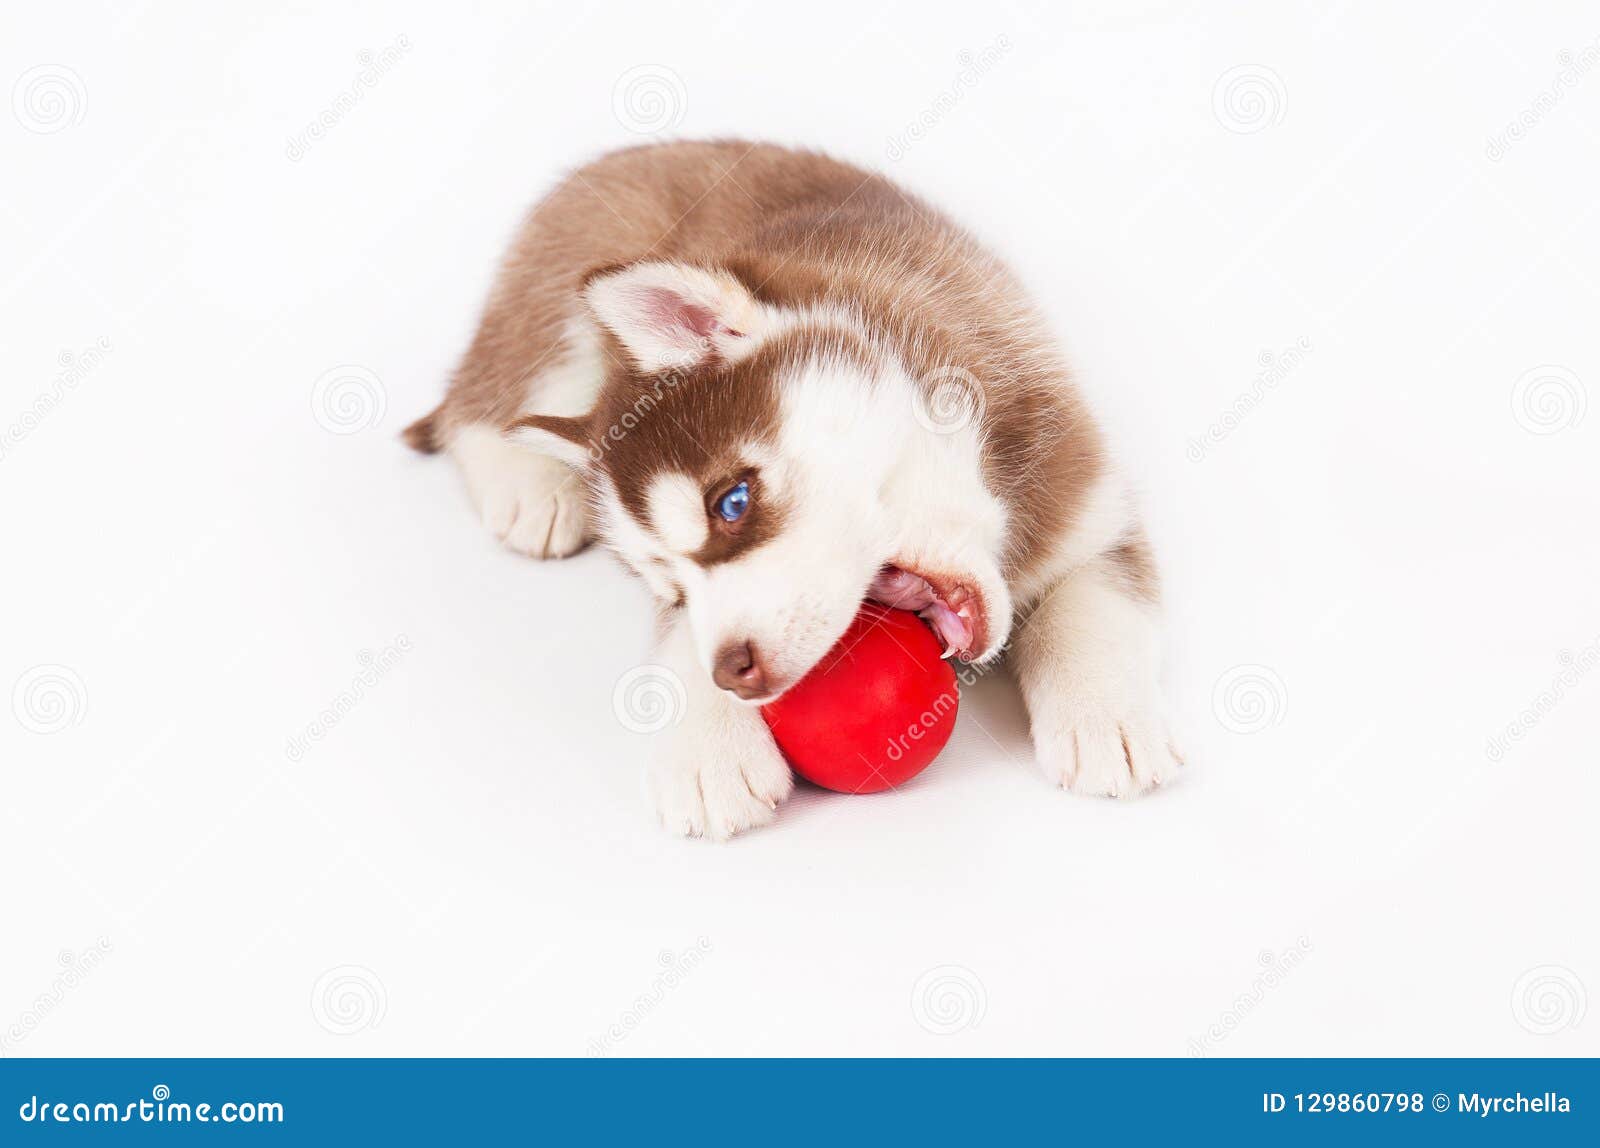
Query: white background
[[1373, 570]]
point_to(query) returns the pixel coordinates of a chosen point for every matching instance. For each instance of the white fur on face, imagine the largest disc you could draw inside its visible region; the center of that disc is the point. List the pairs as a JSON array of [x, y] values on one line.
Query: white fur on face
[[861, 485], [792, 597], [677, 512]]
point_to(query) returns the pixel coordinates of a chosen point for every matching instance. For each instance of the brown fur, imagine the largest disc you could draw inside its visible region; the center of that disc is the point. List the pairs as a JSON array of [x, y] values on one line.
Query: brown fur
[[797, 228]]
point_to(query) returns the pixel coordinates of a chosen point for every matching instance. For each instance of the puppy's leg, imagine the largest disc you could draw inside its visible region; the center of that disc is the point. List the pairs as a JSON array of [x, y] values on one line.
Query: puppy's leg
[[532, 503], [717, 771], [1088, 661]]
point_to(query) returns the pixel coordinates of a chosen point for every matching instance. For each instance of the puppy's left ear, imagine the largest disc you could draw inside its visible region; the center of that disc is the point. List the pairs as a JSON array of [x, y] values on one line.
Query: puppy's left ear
[[563, 438], [675, 316]]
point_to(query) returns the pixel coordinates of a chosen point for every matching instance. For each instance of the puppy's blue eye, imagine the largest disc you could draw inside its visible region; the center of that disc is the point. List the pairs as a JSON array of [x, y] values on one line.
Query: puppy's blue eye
[[733, 504]]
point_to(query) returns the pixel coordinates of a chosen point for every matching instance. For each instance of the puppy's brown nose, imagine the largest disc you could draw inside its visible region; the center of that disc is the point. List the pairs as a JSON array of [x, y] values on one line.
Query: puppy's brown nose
[[739, 671]]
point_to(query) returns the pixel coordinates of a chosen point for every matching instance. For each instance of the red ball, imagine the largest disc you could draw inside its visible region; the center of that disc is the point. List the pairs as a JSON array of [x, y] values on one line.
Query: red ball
[[875, 711]]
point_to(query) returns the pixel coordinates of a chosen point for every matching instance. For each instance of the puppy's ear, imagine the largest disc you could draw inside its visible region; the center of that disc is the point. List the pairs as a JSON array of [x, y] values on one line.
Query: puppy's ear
[[562, 438], [674, 316]]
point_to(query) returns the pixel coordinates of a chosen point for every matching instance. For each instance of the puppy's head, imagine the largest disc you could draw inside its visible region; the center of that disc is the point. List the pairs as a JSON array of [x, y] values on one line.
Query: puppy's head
[[736, 461]]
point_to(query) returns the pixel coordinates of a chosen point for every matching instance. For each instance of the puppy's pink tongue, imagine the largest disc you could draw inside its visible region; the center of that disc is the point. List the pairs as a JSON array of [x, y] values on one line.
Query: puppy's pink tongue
[[902, 590], [953, 630]]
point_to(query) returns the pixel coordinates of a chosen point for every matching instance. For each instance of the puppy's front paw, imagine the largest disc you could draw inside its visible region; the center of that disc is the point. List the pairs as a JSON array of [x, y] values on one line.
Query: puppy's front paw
[[715, 780], [1099, 752], [534, 504]]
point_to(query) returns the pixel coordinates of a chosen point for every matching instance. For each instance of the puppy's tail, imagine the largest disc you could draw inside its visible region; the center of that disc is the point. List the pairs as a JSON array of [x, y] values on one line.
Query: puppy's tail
[[423, 435]]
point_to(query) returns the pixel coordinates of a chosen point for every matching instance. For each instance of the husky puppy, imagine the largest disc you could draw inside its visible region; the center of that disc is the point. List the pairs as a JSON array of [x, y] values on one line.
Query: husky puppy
[[775, 384]]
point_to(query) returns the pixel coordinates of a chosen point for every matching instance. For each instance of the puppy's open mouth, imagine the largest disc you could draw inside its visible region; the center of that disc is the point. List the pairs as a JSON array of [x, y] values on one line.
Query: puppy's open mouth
[[952, 608]]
